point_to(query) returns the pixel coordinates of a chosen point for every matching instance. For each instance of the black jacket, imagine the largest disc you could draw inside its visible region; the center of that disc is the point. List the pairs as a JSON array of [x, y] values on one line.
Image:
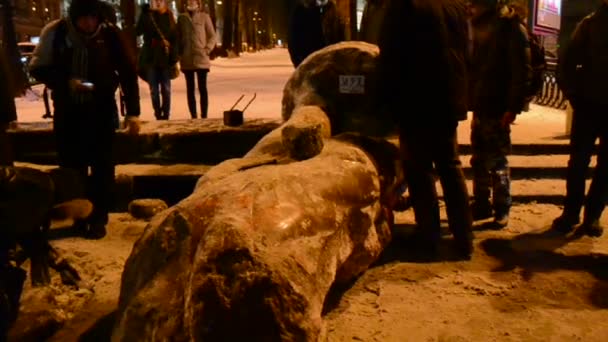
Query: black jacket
[[8, 112], [109, 62], [422, 68], [312, 28], [583, 72], [500, 68]]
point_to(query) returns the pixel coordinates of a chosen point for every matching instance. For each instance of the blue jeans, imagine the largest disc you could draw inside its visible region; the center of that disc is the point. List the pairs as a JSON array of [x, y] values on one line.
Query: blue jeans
[[159, 80]]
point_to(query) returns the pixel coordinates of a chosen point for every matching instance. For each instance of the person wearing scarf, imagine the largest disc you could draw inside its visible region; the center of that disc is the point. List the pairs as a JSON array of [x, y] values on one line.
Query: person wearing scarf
[[83, 60]]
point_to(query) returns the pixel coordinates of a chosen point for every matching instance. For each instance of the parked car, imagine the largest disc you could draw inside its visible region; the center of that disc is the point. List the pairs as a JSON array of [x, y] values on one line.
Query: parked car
[[26, 49]]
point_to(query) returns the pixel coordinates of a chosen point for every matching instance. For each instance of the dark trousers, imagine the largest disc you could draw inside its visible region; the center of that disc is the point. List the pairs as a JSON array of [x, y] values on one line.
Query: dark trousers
[[589, 123], [201, 77], [159, 80], [423, 148], [491, 144], [6, 151], [82, 143]]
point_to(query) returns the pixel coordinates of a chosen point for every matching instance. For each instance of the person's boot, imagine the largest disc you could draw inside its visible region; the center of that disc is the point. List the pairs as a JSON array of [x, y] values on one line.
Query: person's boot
[[95, 231], [591, 228], [565, 223], [481, 210], [501, 193], [501, 219], [463, 242]]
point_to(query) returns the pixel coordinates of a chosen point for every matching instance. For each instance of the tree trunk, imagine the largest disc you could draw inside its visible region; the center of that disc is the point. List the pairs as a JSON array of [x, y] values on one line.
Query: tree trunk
[[237, 27], [20, 81], [227, 32]]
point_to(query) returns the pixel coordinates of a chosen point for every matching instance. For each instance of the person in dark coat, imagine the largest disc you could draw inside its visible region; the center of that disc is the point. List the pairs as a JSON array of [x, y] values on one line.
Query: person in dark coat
[[82, 60], [159, 54], [314, 25], [501, 73], [422, 83], [8, 112], [583, 76]]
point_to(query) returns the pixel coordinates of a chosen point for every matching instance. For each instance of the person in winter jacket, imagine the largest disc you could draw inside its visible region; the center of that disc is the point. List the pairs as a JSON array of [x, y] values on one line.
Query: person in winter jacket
[[158, 55], [8, 112], [500, 75], [583, 76], [83, 60], [197, 39], [422, 84], [314, 25]]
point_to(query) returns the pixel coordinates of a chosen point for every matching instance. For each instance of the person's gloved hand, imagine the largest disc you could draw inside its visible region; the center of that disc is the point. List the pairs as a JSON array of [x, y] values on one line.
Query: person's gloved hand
[[132, 125]]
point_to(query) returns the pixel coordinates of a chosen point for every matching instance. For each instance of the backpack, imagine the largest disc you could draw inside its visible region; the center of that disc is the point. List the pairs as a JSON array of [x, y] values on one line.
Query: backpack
[[538, 63]]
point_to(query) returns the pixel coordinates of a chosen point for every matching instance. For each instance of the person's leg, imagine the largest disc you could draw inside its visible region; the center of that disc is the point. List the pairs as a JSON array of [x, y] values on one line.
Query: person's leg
[[582, 140], [598, 192], [418, 164], [499, 144], [102, 181], [6, 150], [482, 180], [165, 87], [154, 83], [189, 75], [71, 149], [448, 165], [202, 88]]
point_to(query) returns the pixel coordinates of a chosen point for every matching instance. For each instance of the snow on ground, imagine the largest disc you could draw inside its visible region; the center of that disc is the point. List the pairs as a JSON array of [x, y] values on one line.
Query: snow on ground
[[264, 73]]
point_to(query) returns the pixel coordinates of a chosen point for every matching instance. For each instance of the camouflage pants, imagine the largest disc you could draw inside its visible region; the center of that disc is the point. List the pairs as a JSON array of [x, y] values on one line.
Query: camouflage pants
[[491, 143]]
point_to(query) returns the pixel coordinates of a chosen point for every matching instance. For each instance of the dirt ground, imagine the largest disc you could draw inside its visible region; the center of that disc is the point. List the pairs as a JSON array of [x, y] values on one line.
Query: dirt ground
[[522, 284]]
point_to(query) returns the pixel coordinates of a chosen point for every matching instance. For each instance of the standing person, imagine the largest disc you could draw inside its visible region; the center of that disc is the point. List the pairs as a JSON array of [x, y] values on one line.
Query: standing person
[[196, 40], [83, 61], [158, 54], [8, 112], [422, 65], [500, 78], [314, 25], [584, 79]]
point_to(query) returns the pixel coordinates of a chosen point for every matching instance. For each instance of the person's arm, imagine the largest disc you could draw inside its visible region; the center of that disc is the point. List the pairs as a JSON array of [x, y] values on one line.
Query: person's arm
[[180, 34], [571, 59], [211, 35], [172, 37], [127, 73], [520, 68], [42, 66]]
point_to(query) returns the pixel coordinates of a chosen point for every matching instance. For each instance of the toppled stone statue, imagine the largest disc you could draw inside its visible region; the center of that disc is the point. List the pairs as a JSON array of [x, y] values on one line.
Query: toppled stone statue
[[253, 252], [29, 200], [341, 80]]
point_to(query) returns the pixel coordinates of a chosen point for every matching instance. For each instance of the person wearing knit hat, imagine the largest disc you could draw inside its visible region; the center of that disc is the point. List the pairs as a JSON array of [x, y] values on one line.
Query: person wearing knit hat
[[82, 59]]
